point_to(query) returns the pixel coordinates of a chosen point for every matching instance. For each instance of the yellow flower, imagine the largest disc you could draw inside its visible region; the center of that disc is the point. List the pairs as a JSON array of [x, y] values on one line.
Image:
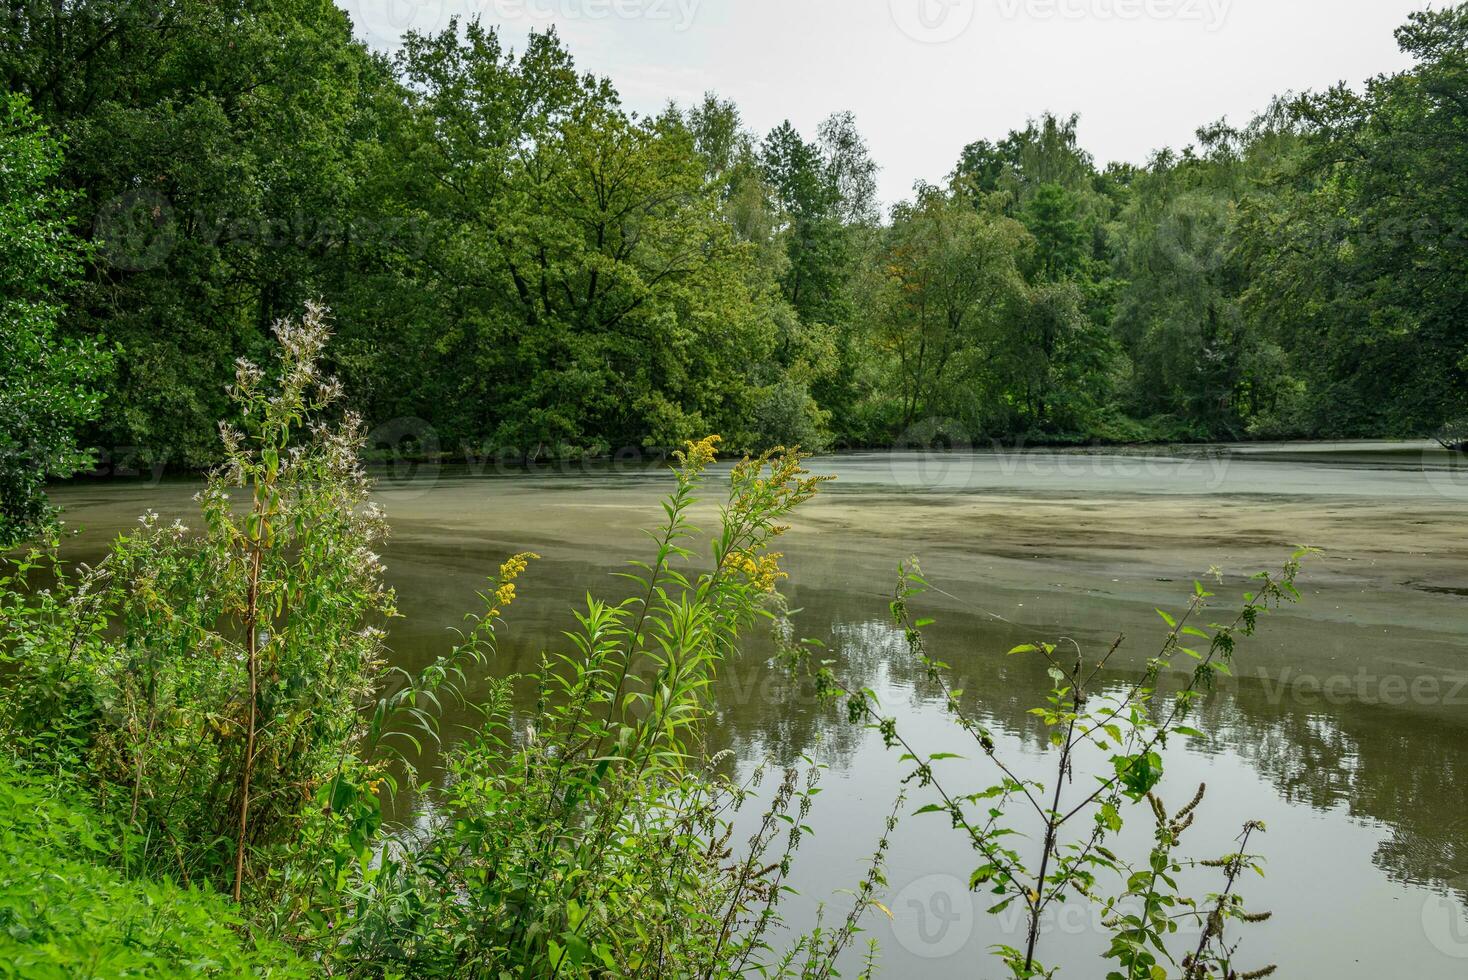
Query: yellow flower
[[699, 454], [504, 594], [762, 571], [513, 568]]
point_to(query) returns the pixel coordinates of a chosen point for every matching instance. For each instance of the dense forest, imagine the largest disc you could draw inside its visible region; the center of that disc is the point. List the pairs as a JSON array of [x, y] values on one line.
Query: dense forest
[[525, 268]]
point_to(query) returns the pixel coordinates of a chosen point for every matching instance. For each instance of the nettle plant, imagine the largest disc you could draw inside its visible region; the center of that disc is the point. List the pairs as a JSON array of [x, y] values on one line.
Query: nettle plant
[[1116, 733]]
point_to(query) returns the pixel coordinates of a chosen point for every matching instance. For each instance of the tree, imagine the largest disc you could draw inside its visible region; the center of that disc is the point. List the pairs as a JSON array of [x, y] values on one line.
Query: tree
[[824, 196], [1046, 152], [208, 143], [1201, 367], [808, 201], [46, 383], [853, 172], [1051, 215], [952, 279], [1359, 260], [591, 294]]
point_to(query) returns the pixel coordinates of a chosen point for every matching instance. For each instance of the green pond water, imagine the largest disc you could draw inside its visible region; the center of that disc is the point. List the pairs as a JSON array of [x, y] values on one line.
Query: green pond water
[[1345, 728]]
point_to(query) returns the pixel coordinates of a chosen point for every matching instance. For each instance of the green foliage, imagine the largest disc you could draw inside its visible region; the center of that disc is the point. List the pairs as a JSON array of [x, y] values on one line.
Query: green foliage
[[210, 143], [594, 838], [1118, 733], [526, 269], [210, 683], [1200, 364], [64, 913], [222, 698], [601, 300], [1360, 258], [951, 286], [46, 381]]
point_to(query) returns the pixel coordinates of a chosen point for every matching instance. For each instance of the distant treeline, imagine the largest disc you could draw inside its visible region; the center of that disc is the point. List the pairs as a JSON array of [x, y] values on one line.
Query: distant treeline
[[523, 264]]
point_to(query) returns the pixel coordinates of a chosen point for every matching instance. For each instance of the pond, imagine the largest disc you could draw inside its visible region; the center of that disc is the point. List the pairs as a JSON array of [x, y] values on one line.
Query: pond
[[1344, 729]]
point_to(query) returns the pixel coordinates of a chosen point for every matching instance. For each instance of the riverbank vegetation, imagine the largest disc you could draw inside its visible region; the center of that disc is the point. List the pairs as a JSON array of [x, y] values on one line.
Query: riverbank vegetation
[[206, 716], [523, 267], [200, 730]]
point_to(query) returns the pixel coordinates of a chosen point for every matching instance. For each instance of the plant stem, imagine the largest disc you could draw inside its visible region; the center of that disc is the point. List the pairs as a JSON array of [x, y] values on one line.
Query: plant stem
[[252, 646]]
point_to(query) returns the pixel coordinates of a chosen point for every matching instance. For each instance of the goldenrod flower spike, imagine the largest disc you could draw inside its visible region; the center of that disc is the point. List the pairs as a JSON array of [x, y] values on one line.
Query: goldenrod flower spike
[[762, 571], [504, 595], [699, 454]]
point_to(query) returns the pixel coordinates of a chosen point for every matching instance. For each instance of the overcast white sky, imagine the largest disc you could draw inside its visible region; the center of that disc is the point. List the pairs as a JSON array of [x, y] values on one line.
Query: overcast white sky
[[926, 77]]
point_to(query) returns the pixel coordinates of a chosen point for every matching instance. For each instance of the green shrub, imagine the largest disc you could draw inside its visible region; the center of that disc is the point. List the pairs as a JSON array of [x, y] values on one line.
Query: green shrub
[[593, 836], [224, 694], [46, 382], [211, 684]]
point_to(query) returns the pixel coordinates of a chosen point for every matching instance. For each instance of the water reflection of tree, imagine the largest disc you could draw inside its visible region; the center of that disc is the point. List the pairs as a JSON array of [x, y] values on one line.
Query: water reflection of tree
[[764, 713], [1406, 770], [1383, 765]]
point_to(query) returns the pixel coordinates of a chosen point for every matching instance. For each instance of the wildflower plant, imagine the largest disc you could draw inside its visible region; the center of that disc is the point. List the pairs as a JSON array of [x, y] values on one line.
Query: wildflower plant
[[222, 694], [209, 683], [592, 834]]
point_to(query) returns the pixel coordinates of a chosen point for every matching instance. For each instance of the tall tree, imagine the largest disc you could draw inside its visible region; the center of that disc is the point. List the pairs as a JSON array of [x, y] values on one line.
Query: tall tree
[[853, 172], [1359, 262], [809, 201], [585, 270], [951, 280], [47, 384], [208, 141]]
